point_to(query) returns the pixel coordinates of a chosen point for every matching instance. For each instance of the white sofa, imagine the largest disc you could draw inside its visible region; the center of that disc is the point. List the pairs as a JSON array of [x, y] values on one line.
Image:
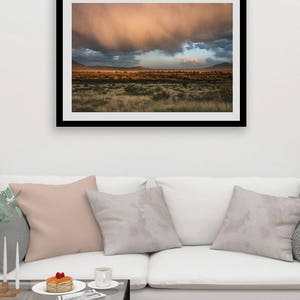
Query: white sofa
[[197, 206]]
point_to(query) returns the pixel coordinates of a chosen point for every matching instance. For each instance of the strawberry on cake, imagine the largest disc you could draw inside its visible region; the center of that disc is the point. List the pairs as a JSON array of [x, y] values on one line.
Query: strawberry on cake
[[59, 283]]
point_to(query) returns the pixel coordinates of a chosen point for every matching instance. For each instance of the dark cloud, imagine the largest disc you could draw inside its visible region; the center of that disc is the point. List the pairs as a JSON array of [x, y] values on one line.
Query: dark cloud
[[115, 27], [218, 51], [90, 57], [222, 48]]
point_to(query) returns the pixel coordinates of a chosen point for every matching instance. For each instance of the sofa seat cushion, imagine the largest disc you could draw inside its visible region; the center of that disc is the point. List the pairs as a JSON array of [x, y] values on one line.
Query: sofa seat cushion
[[82, 266], [199, 267]]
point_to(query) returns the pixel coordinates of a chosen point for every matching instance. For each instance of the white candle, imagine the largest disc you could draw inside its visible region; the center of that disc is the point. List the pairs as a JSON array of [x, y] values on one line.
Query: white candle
[[4, 261], [17, 267]]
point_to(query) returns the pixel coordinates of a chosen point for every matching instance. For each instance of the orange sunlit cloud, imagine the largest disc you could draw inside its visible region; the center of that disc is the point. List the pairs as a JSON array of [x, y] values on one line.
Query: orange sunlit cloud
[[148, 26]]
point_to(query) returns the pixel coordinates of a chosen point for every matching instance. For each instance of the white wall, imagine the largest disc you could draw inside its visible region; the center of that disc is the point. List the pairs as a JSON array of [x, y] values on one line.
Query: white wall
[[31, 144]]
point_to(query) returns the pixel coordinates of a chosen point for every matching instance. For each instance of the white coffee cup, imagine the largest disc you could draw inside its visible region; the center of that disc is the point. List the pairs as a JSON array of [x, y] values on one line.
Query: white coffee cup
[[103, 277]]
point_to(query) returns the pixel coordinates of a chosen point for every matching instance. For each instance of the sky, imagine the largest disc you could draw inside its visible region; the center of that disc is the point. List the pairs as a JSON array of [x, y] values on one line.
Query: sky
[[152, 35]]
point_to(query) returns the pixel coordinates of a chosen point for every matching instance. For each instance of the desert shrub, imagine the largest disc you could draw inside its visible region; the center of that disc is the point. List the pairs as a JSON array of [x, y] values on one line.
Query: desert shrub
[[185, 84], [226, 95], [180, 96], [213, 96], [133, 89], [86, 108], [160, 94], [101, 101], [195, 97]]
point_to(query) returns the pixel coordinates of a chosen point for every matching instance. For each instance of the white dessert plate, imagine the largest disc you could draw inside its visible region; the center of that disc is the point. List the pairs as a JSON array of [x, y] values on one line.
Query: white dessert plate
[[93, 285], [41, 288]]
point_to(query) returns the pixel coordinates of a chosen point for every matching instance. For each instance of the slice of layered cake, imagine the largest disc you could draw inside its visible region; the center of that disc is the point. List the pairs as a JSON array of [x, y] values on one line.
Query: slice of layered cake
[[59, 283]]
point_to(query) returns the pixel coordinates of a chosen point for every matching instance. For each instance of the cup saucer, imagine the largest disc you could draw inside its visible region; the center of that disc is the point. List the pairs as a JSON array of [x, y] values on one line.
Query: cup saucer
[[113, 285]]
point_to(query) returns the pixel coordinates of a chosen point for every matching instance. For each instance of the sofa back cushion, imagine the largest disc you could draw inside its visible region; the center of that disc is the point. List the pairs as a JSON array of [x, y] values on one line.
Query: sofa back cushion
[[113, 185], [198, 205]]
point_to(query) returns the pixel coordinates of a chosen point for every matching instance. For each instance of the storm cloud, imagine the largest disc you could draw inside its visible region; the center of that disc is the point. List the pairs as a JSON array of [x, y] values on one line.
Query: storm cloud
[[90, 57], [222, 48], [130, 27]]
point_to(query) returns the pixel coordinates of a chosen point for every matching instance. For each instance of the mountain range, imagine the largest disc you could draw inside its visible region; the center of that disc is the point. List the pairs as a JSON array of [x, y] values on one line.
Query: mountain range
[[77, 65]]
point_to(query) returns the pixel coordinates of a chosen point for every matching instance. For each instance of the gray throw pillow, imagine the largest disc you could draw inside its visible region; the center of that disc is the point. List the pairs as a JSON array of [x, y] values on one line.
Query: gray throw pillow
[[296, 242], [16, 230], [134, 223], [259, 224], [296, 239]]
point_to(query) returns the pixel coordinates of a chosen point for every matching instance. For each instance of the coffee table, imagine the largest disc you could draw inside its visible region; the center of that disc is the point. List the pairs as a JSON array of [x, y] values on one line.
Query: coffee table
[[122, 292]]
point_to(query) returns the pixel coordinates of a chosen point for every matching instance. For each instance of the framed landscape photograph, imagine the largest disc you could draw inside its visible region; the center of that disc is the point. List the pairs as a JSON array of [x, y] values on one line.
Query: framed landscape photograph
[[151, 63]]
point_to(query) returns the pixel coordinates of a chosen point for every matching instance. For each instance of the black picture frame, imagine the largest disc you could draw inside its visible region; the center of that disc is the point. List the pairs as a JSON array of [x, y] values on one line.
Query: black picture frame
[[60, 122]]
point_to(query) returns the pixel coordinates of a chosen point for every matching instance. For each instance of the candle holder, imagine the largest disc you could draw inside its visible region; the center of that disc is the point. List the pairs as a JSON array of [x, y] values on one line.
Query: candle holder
[[6, 293], [4, 287]]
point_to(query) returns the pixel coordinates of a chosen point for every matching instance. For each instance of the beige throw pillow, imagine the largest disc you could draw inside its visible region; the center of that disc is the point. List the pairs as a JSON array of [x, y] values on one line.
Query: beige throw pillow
[[60, 218], [259, 224]]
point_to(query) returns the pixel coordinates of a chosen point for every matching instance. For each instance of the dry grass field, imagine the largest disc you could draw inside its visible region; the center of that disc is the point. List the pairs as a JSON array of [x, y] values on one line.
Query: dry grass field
[[147, 90]]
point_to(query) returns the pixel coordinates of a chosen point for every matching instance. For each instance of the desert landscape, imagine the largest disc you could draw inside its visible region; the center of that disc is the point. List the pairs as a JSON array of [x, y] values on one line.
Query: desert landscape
[[138, 57], [137, 89]]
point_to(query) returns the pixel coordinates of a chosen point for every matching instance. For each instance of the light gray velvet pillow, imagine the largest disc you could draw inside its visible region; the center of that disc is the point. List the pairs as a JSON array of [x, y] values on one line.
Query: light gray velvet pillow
[[134, 223], [296, 239], [259, 224], [296, 242]]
